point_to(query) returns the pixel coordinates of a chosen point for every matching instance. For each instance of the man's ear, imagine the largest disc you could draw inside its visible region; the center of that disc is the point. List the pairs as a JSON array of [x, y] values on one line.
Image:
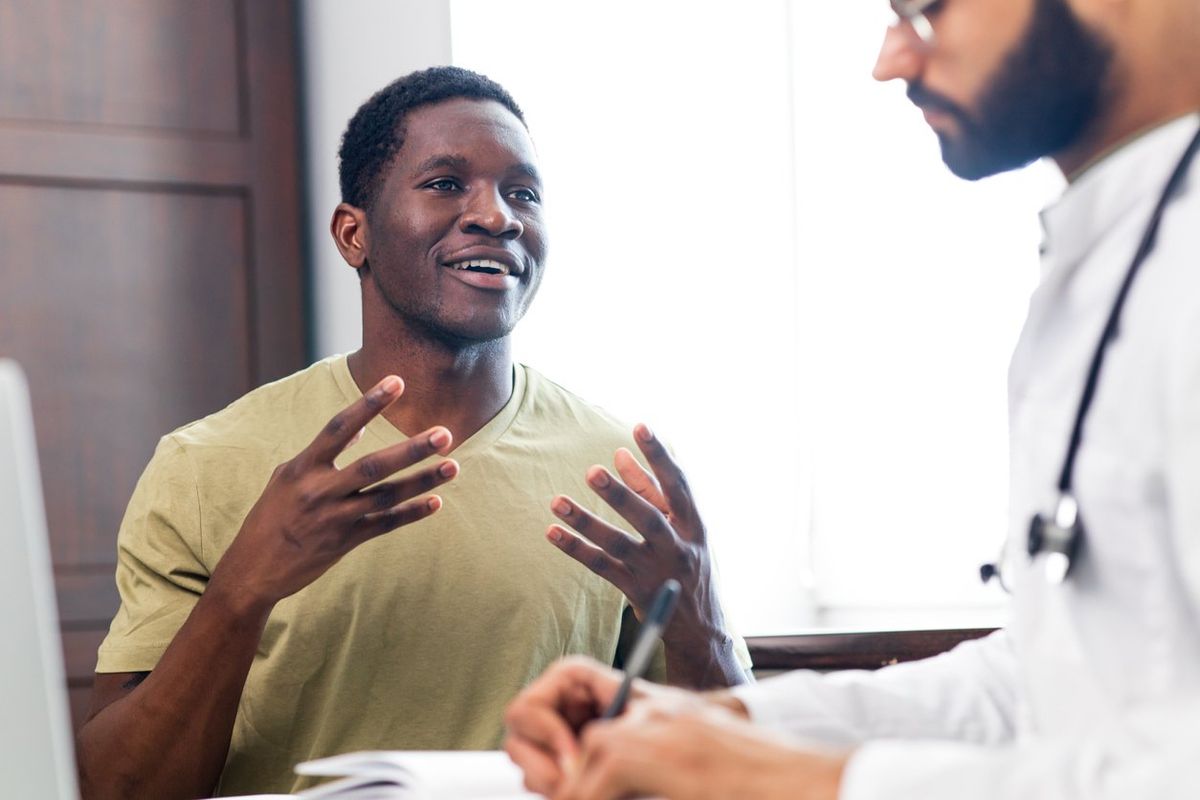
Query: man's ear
[[350, 234]]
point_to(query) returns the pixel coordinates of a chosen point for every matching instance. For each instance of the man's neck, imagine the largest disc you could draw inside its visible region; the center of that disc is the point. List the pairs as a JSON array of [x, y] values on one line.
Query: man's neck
[[460, 386]]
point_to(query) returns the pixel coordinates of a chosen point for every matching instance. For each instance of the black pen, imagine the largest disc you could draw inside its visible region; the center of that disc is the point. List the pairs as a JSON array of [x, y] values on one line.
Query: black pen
[[643, 650]]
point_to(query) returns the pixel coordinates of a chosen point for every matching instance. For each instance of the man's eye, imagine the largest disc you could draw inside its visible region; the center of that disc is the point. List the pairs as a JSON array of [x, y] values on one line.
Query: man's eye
[[525, 195], [443, 184]]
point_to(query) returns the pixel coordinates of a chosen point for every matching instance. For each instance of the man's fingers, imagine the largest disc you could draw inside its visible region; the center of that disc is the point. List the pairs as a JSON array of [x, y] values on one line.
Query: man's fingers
[[591, 557], [345, 425], [377, 466], [383, 496], [614, 541], [637, 478], [670, 477], [644, 517], [379, 523]]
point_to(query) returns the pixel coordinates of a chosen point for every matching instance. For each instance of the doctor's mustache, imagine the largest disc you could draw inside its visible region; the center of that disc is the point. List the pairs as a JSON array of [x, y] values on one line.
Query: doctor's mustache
[[923, 99]]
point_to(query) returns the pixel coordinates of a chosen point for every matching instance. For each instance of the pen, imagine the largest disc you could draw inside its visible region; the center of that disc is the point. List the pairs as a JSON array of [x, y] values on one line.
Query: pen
[[652, 628]]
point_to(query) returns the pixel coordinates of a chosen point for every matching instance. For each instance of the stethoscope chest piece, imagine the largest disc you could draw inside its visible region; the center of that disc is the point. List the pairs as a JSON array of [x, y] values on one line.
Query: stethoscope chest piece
[[1057, 538]]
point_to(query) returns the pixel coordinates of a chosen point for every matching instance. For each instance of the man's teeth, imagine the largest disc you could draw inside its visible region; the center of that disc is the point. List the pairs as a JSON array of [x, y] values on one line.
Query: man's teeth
[[483, 265]]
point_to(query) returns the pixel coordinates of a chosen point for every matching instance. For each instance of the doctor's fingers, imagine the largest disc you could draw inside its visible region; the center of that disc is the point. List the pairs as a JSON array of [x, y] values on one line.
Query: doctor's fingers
[[619, 760], [540, 769], [543, 725]]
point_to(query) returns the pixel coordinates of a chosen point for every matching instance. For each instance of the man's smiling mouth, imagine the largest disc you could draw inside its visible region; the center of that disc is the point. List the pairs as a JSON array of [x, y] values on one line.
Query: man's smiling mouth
[[484, 265]]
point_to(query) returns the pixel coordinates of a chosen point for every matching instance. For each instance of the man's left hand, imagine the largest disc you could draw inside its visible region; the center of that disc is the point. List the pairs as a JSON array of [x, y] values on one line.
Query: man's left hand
[[659, 506]]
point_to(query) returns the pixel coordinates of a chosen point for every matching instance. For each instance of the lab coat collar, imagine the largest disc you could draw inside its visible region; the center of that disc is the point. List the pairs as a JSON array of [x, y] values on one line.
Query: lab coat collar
[[1108, 190]]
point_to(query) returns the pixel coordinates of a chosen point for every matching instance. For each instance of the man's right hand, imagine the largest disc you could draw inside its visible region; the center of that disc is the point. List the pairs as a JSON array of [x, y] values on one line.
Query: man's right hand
[[311, 513]]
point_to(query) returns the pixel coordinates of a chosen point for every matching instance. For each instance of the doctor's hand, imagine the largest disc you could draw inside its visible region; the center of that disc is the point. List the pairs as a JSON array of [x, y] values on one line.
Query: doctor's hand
[[674, 544], [545, 720], [312, 513], [697, 753]]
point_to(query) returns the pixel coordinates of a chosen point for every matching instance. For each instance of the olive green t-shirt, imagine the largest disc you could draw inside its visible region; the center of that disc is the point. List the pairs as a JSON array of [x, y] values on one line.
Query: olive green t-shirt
[[415, 640]]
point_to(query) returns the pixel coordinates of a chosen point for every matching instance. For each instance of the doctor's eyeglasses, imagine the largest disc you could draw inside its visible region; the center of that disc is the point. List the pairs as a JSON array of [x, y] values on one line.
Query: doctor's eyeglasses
[[910, 16]]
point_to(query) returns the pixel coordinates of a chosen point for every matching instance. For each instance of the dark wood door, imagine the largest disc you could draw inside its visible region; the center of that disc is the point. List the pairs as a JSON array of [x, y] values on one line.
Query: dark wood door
[[150, 256]]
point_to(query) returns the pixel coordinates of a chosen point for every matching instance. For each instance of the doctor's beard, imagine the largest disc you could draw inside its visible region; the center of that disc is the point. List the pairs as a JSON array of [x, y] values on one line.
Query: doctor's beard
[[1040, 101]]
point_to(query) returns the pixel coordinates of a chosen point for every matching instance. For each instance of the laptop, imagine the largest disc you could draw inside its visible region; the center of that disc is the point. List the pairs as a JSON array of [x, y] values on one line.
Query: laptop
[[36, 754]]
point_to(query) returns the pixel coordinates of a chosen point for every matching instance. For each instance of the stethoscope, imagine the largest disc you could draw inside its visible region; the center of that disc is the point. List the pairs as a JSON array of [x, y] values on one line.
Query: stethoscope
[[1058, 536]]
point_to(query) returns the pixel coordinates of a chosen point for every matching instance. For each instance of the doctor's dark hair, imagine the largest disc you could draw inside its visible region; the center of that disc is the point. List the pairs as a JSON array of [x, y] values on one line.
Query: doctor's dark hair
[[376, 131]]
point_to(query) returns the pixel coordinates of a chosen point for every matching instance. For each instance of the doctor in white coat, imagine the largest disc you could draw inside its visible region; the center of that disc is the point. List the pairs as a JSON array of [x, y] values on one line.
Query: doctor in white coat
[[1093, 689]]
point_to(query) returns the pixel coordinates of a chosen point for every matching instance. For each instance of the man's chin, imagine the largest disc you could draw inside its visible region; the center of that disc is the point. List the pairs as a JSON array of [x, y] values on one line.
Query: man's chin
[[467, 333]]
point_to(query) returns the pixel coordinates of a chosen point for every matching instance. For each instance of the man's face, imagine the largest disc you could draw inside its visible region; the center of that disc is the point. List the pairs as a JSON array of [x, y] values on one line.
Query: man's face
[[455, 241], [1005, 82]]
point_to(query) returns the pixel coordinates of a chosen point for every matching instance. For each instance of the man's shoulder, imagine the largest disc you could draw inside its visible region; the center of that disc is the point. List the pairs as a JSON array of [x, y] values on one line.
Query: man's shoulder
[[271, 417]]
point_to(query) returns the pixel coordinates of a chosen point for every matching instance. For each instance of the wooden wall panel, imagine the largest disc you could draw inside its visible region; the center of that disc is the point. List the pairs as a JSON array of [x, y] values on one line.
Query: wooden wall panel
[[129, 311], [166, 64], [150, 247]]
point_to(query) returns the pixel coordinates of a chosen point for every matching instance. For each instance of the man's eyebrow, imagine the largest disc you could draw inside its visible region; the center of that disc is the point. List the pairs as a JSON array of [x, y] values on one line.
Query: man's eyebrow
[[457, 163], [444, 161], [529, 171]]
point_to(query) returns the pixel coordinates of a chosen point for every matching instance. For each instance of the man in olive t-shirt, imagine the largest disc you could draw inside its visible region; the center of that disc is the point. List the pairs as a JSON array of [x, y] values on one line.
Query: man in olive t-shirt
[[271, 612]]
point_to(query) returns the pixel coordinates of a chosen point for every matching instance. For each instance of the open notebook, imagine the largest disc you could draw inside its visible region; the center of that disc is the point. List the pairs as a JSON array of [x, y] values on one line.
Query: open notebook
[[413, 775]]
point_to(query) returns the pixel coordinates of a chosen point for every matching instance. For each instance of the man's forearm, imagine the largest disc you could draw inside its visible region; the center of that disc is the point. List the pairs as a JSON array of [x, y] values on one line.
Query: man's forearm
[[169, 737]]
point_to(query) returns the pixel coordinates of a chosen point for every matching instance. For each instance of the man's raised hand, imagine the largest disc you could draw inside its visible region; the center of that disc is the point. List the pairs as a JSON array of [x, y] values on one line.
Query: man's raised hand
[[311, 513]]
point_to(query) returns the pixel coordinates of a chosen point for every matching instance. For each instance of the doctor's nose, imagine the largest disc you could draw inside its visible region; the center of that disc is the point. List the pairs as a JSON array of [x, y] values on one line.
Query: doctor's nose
[[902, 54], [488, 213]]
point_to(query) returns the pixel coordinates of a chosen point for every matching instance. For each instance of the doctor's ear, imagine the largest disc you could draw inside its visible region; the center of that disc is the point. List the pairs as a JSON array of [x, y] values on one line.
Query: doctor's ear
[[350, 233]]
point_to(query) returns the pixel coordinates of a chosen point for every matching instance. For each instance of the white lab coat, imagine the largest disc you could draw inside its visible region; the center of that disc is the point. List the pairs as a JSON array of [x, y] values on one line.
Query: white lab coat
[[1093, 689]]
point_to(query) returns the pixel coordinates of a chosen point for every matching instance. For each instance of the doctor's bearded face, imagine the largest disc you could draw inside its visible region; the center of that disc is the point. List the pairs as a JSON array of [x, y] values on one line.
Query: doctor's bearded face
[[1039, 99]]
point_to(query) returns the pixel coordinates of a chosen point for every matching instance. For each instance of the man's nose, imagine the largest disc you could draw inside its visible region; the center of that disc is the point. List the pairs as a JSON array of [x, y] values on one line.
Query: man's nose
[[901, 55], [487, 212]]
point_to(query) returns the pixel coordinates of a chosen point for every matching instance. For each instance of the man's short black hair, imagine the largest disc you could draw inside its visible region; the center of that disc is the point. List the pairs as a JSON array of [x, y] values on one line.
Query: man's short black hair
[[376, 131]]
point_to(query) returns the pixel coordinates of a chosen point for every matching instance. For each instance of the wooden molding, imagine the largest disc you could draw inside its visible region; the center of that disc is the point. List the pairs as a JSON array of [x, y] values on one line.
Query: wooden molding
[[854, 650]]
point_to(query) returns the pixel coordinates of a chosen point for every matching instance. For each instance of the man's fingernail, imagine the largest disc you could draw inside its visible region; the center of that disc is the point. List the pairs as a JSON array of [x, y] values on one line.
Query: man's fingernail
[[448, 468], [645, 434], [561, 506], [600, 479], [440, 438], [389, 385], [555, 535]]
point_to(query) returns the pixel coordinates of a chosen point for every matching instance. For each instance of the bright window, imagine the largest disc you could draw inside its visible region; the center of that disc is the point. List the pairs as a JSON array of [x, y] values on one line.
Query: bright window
[[756, 250]]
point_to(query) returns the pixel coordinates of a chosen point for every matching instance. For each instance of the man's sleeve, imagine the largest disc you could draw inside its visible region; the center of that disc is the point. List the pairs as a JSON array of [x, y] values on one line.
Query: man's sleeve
[[160, 569]]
